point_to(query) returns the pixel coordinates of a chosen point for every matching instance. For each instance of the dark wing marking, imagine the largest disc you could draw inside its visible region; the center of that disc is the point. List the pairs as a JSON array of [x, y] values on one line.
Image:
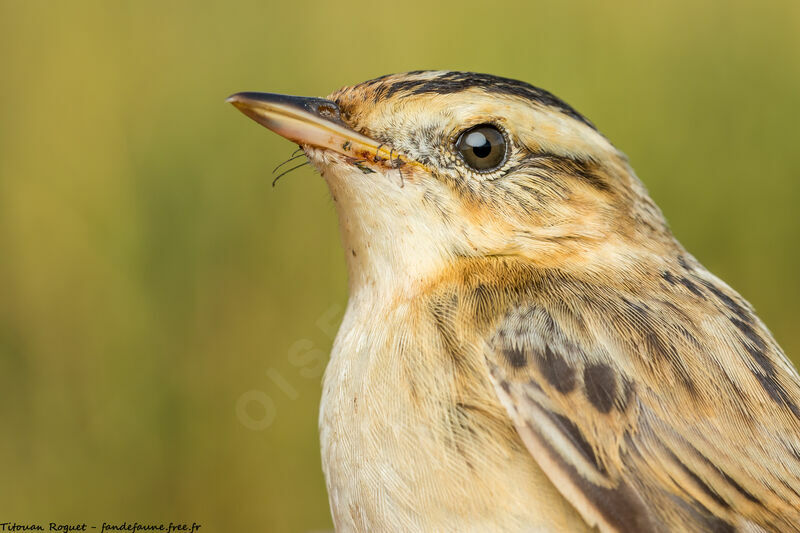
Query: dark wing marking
[[638, 431]]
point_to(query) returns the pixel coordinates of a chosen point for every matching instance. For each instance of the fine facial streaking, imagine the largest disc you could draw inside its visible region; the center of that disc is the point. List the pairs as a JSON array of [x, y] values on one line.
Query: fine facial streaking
[[526, 346]]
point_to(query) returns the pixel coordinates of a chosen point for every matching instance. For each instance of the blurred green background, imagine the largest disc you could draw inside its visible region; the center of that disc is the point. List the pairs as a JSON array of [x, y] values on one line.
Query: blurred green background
[[161, 305]]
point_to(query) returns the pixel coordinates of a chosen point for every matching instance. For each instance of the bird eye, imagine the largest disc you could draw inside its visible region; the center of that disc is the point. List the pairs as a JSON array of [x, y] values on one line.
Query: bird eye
[[482, 147]]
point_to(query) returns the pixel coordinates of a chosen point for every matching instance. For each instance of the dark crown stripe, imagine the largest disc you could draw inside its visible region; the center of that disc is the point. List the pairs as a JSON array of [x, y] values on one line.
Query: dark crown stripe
[[452, 82]]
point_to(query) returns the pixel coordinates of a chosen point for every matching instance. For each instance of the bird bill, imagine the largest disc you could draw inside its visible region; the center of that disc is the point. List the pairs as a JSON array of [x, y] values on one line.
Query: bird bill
[[314, 122]]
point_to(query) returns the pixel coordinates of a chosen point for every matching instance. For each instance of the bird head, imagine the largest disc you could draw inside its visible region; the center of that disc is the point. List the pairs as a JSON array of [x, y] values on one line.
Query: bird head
[[430, 168]]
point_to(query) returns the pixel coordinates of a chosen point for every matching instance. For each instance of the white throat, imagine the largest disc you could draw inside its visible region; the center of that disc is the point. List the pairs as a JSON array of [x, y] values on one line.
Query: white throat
[[391, 247]]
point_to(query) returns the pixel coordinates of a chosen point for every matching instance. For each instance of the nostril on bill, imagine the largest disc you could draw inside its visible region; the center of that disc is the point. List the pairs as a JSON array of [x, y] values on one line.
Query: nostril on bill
[[328, 110]]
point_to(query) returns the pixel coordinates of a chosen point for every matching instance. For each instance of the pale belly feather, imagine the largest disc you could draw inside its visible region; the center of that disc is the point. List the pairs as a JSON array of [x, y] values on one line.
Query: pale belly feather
[[405, 448]]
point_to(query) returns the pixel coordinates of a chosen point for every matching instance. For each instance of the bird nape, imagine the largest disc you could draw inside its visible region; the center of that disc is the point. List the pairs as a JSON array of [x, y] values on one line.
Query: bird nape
[[526, 346]]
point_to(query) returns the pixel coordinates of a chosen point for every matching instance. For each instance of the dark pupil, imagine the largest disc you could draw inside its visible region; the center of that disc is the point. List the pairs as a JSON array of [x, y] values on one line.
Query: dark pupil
[[481, 146]]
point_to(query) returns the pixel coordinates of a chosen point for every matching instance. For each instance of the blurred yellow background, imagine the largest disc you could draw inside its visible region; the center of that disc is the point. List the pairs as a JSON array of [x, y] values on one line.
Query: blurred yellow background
[[163, 310]]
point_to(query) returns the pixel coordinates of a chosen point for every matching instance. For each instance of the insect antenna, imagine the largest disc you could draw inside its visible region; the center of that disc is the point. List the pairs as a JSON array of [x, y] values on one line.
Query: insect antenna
[[282, 174]]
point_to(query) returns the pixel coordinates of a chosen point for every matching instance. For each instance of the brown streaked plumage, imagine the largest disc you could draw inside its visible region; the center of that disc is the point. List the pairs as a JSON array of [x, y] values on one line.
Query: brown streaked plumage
[[526, 346]]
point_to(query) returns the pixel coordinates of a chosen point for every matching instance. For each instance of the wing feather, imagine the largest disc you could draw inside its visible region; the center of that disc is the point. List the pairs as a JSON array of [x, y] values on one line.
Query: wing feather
[[648, 417]]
